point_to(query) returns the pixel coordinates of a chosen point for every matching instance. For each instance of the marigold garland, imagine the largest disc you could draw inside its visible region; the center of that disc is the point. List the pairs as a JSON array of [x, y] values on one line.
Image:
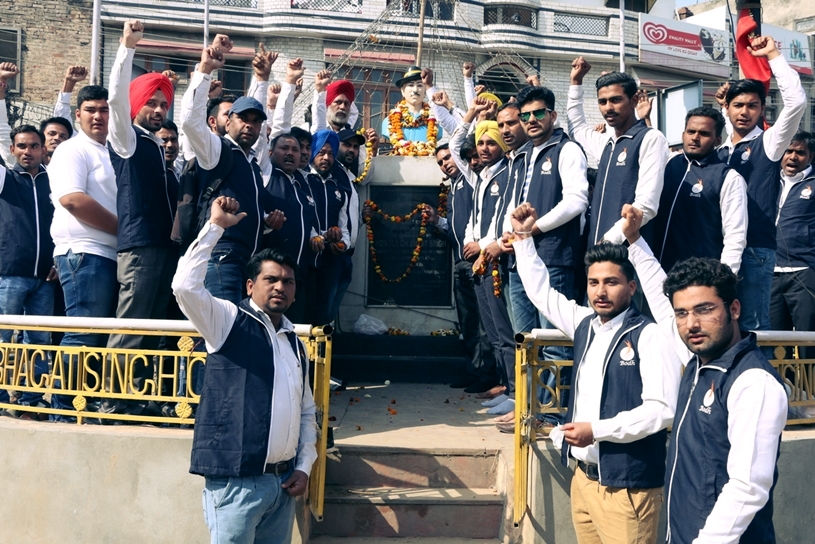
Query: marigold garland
[[417, 250], [369, 147], [399, 118], [480, 269]]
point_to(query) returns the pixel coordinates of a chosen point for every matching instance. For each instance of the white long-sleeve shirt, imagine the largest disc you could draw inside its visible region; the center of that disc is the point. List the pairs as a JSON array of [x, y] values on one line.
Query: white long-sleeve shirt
[[794, 98], [572, 167], [659, 366], [472, 233], [757, 412], [653, 156], [293, 428]]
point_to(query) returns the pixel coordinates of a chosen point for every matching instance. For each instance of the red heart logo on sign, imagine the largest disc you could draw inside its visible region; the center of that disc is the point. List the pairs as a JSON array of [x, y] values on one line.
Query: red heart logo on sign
[[655, 33]]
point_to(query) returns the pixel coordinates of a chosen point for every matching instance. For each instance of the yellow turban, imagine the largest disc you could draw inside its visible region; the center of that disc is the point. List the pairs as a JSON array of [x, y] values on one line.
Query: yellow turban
[[490, 128], [490, 96]]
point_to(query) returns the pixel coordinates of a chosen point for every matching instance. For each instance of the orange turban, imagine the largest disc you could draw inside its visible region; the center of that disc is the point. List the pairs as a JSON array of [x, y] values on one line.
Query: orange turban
[[144, 87]]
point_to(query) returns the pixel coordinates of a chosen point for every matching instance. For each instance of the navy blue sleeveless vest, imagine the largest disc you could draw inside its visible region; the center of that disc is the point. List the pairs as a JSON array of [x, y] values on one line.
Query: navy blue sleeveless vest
[[639, 464], [491, 200], [762, 177], [143, 202], [697, 455], [796, 226], [292, 197], [617, 176], [26, 212], [689, 223], [458, 214]]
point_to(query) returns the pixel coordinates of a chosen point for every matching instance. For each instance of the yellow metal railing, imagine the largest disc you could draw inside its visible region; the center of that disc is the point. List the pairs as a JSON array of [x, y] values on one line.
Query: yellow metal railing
[[85, 377], [797, 374]]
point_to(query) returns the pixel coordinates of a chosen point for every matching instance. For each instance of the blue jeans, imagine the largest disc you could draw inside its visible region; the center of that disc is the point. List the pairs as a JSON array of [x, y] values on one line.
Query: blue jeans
[[91, 290], [30, 296], [755, 287], [226, 276], [248, 509]]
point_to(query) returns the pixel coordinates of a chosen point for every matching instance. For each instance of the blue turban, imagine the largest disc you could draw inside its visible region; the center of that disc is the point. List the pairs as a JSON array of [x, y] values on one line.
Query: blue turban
[[322, 137]]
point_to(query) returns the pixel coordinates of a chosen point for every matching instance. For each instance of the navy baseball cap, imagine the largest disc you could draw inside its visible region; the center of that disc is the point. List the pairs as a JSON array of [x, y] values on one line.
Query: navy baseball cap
[[349, 133], [247, 103]]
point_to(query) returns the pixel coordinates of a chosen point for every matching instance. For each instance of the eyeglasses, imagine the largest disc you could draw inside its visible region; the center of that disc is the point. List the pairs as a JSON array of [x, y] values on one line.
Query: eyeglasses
[[540, 115], [703, 313]]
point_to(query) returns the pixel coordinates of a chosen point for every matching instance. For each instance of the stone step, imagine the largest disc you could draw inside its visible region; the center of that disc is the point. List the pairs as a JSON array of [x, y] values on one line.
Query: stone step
[[411, 512], [397, 467], [325, 539]]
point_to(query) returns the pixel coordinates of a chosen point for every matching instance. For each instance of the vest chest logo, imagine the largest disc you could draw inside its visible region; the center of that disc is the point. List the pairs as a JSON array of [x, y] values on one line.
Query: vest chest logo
[[707, 402], [310, 200], [622, 156], [696, 190], [627, 355], [746, 155], [494, 189], [459, 185], [806, 193], [547, 166], [338, 194]]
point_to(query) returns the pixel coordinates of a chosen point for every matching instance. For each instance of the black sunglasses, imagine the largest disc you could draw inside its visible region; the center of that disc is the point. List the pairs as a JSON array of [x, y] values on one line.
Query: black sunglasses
[[540, 115]]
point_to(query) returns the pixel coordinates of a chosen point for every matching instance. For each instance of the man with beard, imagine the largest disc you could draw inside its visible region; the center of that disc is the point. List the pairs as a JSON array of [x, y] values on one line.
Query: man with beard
[[226, 272], [756, 154], [623, 395], [480, 366], [631, 158], [731, 407], [703, 200], [791, 305], [146, 197], [255, 433], [290, 193]]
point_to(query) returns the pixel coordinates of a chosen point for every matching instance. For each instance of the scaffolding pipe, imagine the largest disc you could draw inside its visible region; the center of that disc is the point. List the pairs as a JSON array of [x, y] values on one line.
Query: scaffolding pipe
[[96, 24], [421, 33]]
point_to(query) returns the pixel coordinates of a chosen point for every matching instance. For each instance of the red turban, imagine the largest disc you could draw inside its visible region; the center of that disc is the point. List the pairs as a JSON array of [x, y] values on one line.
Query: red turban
[[144, 87], [337, 88]]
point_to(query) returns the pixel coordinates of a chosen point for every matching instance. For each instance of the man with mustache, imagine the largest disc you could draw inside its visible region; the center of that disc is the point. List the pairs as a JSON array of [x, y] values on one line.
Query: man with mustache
[[731, 406], [791, 304], [146, 197], [226, 271], [623, 395], [255, 433], [756, 154], [631, 158], [703, 200]]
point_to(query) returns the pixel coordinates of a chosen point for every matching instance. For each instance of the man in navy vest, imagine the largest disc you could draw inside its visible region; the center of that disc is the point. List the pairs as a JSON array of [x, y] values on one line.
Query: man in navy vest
[[703, 207], [731, 408], [623, 393], [146, 197], [480, 243], [630, 159], [255, 430], [792, 305], [756, 154], [480, 367], [226, 274], [27, 274], [549, 172]]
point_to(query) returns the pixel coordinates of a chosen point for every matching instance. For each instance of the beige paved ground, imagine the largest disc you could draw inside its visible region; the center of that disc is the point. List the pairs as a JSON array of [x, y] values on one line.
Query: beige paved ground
[[426, 417]]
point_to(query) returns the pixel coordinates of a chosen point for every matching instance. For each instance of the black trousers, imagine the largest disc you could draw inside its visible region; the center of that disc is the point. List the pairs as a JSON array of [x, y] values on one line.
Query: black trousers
[[792, 304], [495, 318], [480, 357]]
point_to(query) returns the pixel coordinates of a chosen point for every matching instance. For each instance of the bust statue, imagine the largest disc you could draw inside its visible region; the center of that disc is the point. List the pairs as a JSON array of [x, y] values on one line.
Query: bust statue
[[410, 126]]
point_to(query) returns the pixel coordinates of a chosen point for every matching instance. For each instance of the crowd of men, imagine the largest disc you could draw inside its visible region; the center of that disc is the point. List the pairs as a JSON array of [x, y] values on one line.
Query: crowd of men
[[252, 222]]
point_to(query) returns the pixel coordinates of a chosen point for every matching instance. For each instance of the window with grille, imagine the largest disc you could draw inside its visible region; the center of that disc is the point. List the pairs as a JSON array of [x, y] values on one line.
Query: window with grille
[[343, 6], [511, 15], [229, 3], [573, 23], [10, 47], [440, 10], [376, 94]]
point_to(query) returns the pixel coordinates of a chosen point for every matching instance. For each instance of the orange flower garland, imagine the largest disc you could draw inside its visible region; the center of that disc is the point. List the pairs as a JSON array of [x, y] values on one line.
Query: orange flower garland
[[480, 269], [417, 250], [399, 118], [369, 147]]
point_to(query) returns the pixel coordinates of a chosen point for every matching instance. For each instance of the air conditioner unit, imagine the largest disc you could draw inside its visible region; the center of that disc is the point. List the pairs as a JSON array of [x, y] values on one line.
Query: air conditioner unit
[[10, 51]]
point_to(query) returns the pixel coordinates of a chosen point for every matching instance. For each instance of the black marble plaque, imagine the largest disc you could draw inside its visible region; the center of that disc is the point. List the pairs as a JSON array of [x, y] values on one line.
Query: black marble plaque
[[430, 281]]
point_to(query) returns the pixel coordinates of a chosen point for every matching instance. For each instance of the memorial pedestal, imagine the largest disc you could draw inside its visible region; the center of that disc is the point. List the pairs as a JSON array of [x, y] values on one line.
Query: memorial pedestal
[[397, 185]]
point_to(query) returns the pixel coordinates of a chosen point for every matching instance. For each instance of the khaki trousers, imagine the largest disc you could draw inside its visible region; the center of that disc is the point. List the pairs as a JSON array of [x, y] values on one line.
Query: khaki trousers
[[613, 515]]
